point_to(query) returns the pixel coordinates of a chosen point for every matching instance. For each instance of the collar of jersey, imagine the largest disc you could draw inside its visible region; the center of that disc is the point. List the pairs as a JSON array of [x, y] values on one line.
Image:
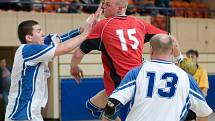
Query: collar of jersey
[[121, 17], [162, 61]]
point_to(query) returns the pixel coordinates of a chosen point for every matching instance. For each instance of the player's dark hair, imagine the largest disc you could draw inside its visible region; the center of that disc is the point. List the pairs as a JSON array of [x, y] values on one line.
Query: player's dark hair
[[193, 52], [25, 28]]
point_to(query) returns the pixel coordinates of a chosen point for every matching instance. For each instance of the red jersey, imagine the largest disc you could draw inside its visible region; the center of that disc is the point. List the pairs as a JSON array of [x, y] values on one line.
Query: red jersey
[[121, 40]]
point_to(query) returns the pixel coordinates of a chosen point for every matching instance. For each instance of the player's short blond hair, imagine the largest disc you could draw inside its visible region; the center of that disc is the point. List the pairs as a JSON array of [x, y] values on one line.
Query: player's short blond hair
[[123, 3]]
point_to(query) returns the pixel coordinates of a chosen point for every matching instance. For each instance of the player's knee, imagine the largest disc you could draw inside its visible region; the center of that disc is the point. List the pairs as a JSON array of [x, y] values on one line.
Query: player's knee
[[94, 110]]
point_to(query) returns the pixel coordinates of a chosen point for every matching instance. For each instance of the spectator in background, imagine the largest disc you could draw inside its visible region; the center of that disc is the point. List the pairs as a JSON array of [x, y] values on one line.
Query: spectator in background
[[26, 5], [89, 8], [63, 7], [38, 6], [163, 4], [9, 5], [131, 9], [5, 73], [144, 7], [74, 8], [200, 76]]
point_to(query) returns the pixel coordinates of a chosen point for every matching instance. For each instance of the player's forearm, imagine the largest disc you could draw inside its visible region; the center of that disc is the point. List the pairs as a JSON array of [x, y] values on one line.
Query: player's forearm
[[69, 45], [76, 58], [71, 34], [202, 118]]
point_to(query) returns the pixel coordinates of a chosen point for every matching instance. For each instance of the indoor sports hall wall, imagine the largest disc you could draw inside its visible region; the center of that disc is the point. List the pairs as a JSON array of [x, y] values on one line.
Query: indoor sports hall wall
[[191, 33]]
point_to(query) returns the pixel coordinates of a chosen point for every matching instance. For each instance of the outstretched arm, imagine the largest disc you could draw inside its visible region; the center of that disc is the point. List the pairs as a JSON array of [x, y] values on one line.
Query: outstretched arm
[[71, 44]]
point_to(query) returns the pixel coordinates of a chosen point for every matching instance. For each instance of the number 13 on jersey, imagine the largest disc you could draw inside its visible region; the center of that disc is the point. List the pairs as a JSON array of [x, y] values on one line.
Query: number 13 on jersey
[[170, 80], [124, 41]]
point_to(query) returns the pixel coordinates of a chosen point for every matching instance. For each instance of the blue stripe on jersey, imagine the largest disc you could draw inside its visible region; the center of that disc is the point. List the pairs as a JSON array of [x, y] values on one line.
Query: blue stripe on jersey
[[70, 35], [130, 105], [16, 102], [132, 101], [129, 79], [129, 84], [33, 51], [185, 109], [34, 86], [22, 106], [162, 61], [194, 89]]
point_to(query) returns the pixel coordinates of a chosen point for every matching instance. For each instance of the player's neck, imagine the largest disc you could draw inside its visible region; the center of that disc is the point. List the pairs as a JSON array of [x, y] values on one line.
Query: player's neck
[[161, 57], [121, 13]]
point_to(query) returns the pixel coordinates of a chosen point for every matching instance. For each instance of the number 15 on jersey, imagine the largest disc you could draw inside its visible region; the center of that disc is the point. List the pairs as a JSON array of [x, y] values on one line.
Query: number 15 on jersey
[[124, 44]]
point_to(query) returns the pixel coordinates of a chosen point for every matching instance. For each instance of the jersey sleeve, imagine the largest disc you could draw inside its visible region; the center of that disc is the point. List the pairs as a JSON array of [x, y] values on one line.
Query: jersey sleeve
[[125, 92], [89, 45], [198, 103], [93, 41], [38, 53], [64, 37], [151, 31], [69, 35]]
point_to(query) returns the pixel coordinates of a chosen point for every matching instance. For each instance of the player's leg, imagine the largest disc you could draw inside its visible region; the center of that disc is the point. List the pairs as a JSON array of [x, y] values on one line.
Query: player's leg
[[96, 104], [100, 99]]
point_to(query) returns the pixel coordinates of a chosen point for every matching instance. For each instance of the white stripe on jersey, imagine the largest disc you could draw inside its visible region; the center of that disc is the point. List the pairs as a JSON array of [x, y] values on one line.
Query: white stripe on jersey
[[29, 58]]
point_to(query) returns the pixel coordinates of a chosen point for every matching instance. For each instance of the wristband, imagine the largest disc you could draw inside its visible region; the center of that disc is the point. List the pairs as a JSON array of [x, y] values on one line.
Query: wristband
[[179, 58]]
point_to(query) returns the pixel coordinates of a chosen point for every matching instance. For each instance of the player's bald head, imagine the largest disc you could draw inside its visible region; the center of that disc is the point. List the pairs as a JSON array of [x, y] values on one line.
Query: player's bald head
[[122, 3], [161, 43], [114, 7]]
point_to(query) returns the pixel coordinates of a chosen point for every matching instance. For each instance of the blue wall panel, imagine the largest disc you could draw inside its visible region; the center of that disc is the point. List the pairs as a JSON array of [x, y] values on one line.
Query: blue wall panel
[[74, 96]]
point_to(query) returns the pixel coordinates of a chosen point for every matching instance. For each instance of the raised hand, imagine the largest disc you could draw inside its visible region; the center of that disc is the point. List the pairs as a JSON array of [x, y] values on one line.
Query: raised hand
[[88, 24], [77, 73], [98, 12], [176, 47]]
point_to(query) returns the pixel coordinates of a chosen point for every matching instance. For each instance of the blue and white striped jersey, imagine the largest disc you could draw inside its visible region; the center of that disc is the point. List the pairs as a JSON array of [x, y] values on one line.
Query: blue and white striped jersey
[[160, 91], [28, 91]]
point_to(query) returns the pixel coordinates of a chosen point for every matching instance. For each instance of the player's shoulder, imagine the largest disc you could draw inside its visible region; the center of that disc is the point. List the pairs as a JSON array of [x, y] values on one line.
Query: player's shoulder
[[135, 71], [32, 49]]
